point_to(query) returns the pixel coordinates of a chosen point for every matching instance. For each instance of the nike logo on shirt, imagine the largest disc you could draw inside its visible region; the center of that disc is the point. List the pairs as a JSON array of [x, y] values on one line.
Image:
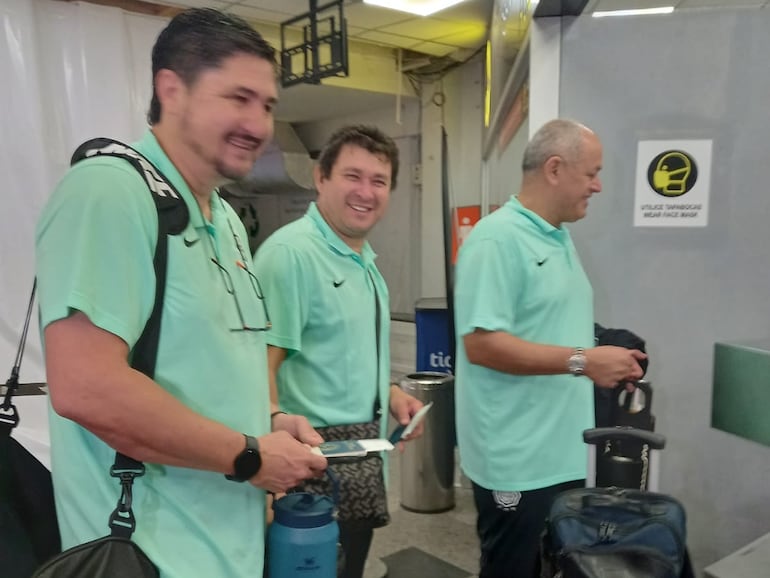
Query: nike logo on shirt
[[190, 242], [337, 283]]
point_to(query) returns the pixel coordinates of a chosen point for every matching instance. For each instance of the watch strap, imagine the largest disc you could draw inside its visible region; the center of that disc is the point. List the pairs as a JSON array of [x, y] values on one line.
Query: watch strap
[[251, 449]]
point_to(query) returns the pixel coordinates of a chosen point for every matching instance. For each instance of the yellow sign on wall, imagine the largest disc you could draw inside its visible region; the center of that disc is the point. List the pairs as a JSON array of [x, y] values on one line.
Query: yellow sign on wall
[[672, 183]]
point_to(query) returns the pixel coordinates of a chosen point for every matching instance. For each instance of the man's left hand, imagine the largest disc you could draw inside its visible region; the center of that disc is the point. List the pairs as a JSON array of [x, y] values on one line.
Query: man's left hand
[[403, 407], [299, 427]]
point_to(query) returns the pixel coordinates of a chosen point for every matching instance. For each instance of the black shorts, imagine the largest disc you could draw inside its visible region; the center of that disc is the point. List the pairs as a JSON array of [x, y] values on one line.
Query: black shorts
[[510, 525]]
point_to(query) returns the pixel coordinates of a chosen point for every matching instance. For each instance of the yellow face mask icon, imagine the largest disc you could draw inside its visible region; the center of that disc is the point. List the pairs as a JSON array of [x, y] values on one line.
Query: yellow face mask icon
[[671, 174]]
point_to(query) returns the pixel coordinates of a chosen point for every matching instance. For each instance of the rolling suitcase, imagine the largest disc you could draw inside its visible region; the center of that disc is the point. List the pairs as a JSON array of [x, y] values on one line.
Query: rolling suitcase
[[615, 531]]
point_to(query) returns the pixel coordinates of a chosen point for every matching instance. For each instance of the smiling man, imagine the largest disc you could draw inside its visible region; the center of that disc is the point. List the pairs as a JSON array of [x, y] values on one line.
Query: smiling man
[[329, 355], [203, 423], [524, 320]]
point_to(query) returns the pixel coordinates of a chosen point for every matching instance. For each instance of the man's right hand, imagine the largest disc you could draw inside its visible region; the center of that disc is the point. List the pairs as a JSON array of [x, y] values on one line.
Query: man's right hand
[[285, 462], [608, 365]]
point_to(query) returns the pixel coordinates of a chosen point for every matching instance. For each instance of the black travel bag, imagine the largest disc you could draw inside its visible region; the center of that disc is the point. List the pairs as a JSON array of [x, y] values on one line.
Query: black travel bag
[[618, 532]]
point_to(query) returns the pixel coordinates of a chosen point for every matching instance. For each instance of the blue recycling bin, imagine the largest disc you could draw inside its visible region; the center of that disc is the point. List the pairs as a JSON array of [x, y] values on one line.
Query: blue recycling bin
[[433, 335]]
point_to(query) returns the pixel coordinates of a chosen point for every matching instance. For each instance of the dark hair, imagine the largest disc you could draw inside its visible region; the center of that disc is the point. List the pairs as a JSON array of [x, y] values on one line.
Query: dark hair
[[369, 138], [559, 137], [199, 39]]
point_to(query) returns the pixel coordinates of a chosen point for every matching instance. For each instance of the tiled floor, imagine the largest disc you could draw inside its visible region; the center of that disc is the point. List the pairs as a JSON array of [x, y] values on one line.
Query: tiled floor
[[441, 545]]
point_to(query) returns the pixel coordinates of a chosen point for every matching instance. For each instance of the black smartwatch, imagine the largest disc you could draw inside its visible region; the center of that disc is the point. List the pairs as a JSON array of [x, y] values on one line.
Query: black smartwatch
[[247, 463]]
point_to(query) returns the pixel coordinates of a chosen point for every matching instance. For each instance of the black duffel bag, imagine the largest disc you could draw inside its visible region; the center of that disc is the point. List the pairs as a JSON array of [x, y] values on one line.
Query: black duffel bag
[[29, 533], [594, 532]]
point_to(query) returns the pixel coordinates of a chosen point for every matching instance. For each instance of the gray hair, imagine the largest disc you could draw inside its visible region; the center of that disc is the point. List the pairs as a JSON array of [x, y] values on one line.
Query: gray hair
[[558, 137]]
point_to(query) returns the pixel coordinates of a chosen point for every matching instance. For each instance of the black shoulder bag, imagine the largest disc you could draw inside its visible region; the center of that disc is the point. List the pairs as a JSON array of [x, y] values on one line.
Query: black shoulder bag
[[115, 555], [29, 532], [360, 485]]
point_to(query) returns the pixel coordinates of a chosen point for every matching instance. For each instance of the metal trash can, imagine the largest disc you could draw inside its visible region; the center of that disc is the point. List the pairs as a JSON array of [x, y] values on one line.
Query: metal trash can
[[427, 464]]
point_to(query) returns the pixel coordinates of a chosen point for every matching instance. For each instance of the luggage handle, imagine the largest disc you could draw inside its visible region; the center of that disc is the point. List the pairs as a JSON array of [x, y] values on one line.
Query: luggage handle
[[654, 441], [615, 500], [600, 435]]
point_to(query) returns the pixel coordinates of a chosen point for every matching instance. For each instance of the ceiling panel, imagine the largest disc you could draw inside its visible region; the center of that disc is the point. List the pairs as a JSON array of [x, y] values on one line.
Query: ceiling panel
[[355, 30], [471, 38], [389, 39], [424, 28], [372, 16], [433, 48], [476, 11]]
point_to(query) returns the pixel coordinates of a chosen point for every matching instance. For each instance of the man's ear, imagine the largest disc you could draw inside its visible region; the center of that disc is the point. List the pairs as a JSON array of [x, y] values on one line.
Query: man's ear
[[552, 168], [171, 91], [318, 178]]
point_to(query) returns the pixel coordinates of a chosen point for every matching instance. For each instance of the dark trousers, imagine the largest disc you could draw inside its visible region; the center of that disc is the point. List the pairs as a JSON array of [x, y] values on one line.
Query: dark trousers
[[355, 543], [510, 525]]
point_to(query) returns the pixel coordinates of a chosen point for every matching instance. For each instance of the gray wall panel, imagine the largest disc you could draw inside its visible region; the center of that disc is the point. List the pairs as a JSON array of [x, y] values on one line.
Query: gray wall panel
[[702, 74]]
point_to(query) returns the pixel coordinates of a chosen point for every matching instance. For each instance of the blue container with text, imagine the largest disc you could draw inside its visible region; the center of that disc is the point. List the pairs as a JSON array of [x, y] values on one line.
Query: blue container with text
[[433, 339]]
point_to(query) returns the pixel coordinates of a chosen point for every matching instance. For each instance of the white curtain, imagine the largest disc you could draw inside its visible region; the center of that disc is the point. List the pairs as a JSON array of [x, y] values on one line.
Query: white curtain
[[68, 72]]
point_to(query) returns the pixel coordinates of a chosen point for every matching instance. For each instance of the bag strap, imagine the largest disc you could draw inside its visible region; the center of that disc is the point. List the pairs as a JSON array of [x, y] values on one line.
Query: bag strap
[[9, 416], [173, 218], [377, 325]]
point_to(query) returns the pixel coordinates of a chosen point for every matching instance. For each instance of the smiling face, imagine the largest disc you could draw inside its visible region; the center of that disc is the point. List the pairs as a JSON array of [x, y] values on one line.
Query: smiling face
[[224, 118], [356, 194]]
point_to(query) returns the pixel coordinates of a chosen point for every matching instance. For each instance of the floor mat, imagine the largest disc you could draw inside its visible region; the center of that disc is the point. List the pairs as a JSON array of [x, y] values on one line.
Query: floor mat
[[414, 563]]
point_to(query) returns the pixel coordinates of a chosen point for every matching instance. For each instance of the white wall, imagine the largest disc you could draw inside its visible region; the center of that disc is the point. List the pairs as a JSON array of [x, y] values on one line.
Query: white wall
[[462, 116], [505, 167], [403, 349], [70, 72]]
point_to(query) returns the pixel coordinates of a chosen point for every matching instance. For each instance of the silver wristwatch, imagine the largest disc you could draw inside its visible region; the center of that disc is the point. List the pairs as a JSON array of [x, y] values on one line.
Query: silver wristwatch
[[576, 364]]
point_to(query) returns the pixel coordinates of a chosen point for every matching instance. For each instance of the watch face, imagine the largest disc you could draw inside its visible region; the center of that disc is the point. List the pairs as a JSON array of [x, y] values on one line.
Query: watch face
[[577, 363], [247, 463]]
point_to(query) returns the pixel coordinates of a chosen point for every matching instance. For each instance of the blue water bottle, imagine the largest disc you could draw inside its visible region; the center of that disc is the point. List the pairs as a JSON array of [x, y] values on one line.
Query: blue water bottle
[[302, 540]]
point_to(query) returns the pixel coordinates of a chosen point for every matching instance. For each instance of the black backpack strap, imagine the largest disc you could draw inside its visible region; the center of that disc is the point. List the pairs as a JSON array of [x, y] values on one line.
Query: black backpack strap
[[173, 218]]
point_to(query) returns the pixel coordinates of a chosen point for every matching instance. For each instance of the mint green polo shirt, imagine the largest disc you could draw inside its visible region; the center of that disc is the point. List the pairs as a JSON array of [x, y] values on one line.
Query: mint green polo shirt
[[518, 274], [320, 294], [95, 243]]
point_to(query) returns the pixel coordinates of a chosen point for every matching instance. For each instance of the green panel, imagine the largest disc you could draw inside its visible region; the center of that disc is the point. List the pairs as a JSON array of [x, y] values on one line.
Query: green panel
[[741, 390]]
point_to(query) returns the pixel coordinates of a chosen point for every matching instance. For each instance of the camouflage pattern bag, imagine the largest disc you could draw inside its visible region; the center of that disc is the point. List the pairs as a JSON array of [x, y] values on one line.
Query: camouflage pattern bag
[[362, 499]]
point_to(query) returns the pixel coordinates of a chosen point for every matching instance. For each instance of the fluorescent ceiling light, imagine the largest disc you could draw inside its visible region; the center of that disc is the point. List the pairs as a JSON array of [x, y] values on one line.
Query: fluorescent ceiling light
[[419, 7], [639, 12]]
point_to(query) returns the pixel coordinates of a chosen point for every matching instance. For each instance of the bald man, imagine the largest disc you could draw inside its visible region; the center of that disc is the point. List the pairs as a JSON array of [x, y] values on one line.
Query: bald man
[[525, 355]]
